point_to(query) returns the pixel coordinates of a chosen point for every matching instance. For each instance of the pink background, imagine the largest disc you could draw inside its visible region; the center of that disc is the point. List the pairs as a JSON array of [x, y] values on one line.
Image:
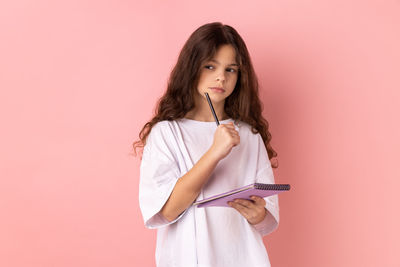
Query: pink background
[[79, 79]]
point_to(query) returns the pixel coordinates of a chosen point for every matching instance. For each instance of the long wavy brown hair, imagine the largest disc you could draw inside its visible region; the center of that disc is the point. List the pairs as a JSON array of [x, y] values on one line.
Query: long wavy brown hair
[[242, 105]]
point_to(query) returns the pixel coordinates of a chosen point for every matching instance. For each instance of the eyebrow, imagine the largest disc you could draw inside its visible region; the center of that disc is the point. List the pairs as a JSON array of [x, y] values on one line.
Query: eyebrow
[[233, 64]]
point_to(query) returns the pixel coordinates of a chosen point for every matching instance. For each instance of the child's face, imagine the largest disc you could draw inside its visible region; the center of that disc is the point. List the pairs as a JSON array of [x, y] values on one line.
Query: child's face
[[222, 72]]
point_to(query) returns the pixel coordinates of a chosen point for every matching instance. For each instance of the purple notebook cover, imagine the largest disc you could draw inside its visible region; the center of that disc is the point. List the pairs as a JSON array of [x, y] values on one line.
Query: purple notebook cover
[[221, 200]]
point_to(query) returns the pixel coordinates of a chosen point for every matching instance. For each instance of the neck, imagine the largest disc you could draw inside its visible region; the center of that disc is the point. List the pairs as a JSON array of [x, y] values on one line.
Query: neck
[[202, 111]]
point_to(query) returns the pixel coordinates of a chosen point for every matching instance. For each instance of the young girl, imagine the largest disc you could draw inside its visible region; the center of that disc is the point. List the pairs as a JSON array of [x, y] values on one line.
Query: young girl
[[187, 157]]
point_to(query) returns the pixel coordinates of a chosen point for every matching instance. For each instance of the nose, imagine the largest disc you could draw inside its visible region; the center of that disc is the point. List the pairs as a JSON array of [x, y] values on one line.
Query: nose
[[221, 76]]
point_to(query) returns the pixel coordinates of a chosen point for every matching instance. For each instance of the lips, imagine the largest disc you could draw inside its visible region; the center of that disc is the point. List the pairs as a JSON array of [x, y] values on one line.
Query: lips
[[217, 89]]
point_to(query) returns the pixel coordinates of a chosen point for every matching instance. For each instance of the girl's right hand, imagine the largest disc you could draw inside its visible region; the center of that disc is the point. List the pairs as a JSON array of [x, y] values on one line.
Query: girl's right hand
[[225, 138]]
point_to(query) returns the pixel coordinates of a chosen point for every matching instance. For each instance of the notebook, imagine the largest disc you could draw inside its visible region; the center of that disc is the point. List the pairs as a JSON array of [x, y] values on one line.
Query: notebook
[[256, 189]]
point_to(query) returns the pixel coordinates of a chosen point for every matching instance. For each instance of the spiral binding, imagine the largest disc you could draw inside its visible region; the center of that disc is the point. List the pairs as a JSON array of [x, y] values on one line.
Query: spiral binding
[[277, 187]]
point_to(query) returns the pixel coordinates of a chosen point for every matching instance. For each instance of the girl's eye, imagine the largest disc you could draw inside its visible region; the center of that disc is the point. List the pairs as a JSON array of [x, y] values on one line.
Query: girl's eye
[[228, 69]]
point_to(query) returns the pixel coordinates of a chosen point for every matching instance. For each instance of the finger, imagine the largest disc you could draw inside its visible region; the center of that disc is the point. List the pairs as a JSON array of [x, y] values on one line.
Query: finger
[[229, 130], [240, 208], [229, 125], [258, 200], [253, 215], [233, 130], [233, 133], [244, 202], [237, 140]]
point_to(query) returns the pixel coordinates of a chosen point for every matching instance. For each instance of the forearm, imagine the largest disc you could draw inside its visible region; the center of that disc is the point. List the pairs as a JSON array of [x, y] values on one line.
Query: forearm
[[188, 187]]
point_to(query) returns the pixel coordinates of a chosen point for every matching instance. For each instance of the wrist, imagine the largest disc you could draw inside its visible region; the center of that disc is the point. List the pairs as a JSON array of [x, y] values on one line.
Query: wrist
[[211, 155]]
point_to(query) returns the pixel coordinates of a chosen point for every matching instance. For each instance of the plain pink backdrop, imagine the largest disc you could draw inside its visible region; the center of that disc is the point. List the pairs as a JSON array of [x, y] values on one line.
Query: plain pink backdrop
[[79, 79]]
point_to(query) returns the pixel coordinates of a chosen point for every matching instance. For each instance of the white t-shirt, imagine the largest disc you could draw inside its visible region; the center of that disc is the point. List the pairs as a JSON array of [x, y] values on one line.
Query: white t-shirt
[[211, 236]]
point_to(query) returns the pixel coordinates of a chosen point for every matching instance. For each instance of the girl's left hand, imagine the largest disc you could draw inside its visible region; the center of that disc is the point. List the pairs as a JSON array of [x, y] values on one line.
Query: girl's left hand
[[254, 211]]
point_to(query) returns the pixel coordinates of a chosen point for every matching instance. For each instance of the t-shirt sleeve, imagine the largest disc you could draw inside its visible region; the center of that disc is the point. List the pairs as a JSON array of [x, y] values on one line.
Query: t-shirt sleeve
[[266, 175], [159, 172]]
